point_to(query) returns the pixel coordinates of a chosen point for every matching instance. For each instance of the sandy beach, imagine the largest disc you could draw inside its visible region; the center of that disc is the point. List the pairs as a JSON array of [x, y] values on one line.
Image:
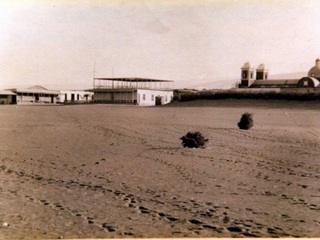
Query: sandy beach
[[115, 171]]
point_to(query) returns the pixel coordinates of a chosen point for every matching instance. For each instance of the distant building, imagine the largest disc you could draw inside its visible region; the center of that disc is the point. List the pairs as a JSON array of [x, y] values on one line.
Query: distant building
[[139, 91], [40, 95], [261, 78], [8, 97], [75, 96], [35, 95]]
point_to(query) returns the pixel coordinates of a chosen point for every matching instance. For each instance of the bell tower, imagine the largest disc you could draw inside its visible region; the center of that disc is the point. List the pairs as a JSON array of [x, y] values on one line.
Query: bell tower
[[247, 75], [262, 72]]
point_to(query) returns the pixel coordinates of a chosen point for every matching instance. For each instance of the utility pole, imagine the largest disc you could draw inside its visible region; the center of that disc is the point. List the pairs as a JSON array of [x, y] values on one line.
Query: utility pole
[[94, 72]]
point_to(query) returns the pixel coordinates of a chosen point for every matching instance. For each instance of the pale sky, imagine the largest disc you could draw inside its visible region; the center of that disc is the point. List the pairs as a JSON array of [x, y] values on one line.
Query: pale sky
[[57, 43]]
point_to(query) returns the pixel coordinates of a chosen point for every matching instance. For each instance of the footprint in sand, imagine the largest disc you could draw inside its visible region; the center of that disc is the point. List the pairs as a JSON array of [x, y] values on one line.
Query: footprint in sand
[[194, 221], [44, 202], [168, 217], [314, 207], [234, 229], [210, 227], [144, 209], [108, 227], [59, 206], [90, 220], [162, 214], [172, 219], [226, 219]]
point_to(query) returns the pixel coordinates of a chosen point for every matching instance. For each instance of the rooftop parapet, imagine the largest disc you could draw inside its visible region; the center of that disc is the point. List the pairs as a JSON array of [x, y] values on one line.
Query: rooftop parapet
[[132, 83]]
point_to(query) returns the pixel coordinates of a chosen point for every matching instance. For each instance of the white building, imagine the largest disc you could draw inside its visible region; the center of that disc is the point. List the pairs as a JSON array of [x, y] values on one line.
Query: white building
[[139, 91], [75, 96]]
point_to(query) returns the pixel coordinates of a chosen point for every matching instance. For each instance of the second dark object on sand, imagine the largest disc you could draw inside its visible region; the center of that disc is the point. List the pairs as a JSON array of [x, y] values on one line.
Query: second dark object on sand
[[246, 121], [194, 140]]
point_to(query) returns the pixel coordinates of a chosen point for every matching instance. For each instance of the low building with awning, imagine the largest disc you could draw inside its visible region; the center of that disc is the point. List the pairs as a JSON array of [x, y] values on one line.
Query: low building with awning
[[35, 95]]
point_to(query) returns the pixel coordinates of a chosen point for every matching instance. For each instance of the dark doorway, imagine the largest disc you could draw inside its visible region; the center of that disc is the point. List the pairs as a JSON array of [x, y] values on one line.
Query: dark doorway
[[72, 97], [158, 100], [14, 99], [37, 97], [52, 99]]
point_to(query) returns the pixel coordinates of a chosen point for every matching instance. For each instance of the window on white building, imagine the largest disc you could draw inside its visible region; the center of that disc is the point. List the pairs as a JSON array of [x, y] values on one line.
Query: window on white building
[[152, 97], [244, 74], [143, 97]]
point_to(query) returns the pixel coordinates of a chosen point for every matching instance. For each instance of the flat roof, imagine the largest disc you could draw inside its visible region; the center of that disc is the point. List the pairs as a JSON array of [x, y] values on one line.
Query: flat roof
[[275, 81], [135, 79], [112, 90]]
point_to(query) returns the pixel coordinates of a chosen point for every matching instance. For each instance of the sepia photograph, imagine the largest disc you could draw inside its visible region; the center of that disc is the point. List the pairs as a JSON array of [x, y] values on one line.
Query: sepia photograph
[[136, 119]]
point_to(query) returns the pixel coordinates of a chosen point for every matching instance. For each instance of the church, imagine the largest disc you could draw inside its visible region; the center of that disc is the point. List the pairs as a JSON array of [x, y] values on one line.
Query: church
[[258, 78]]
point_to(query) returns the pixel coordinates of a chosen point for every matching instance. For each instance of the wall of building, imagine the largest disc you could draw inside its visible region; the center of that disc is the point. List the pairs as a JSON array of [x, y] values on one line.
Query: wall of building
[[124, 97], [143, 97], [115, 97], [27, 98], [75, 96], [6, 99], [148, 97], [102, 96], [300, 90], [255, 90], [275, 90]]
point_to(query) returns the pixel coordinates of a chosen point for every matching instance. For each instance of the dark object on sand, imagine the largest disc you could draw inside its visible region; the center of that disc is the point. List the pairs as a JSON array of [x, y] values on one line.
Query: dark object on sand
[[194, 140], [246, 121]]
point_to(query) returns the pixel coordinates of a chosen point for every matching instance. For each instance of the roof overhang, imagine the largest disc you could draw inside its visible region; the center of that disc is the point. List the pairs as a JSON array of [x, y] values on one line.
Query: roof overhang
[[113, 89], [7, 92], [20, 90], [133, 79]]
